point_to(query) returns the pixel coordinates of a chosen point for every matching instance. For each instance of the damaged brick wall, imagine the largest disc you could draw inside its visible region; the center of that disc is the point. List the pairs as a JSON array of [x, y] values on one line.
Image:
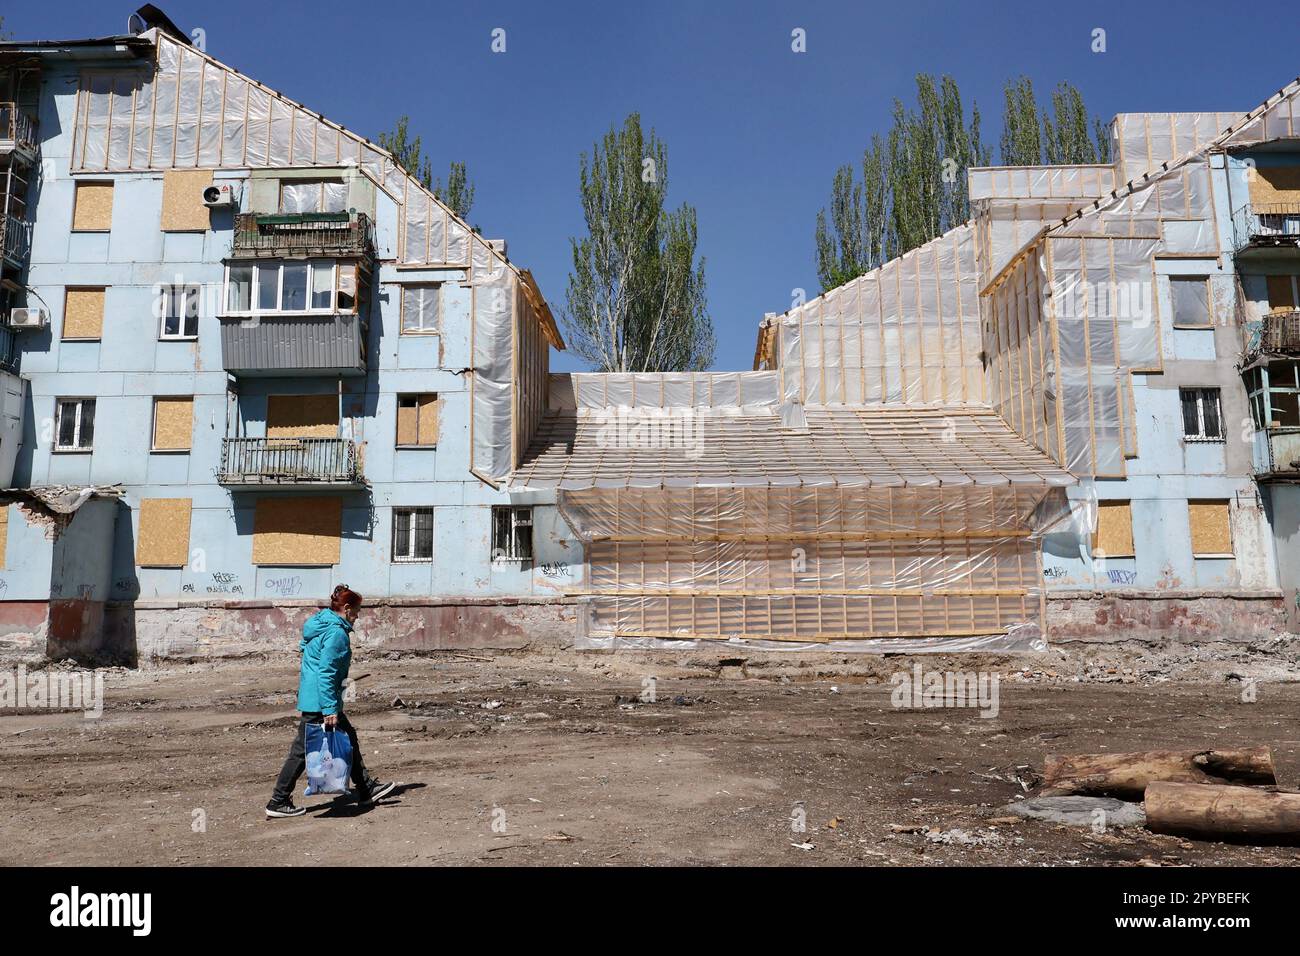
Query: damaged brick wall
[[1107, 617]]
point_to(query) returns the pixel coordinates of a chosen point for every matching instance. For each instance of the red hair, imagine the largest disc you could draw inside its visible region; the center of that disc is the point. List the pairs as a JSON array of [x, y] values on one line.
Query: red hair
[[344, 596]]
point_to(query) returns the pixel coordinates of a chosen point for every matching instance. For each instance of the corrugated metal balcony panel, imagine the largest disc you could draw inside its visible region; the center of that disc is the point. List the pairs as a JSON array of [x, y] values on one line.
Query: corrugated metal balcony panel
[[288, 344]]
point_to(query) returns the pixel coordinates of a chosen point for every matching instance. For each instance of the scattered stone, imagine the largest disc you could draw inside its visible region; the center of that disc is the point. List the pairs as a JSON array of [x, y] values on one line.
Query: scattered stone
[[398, 702], [1079, 811]]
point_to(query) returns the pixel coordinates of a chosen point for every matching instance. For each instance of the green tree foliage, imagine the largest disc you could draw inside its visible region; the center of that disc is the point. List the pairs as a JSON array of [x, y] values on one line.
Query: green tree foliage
[[913, 185], [635, 301], [457, 194], [1032, 135]]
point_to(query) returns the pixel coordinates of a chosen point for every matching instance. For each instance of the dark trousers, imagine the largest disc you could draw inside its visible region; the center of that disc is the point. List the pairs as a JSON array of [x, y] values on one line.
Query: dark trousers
[[296, 762]]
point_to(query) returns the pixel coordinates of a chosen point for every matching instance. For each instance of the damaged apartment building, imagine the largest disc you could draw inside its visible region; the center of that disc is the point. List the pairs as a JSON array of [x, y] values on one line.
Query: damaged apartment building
[[247, 357]]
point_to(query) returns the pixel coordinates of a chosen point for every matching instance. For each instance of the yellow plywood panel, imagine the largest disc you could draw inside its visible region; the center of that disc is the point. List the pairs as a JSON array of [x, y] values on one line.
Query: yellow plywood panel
[[93, 208], [164, 538], [408, 421], [4, 533], [302, 416], [173, 423], [297, 531], [1281, 294], [183, 209], [428, 419], [83, 313], [1272, 185], [1114, 534], [1211, 532]]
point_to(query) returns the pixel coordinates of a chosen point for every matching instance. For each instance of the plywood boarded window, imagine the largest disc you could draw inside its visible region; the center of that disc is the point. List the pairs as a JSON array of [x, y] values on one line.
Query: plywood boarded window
[[92, 209], [417, 419], [297, 531], [1211, 531], [164, 537], [4, 533], [1281, 293], [83, 313], [1114, 535], [182, 207], [1275, 185], [173, 424], [302, 416]]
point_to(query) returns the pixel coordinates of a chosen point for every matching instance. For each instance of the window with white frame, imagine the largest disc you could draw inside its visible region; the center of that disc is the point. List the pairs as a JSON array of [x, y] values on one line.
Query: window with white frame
[[420, 309], [178, 307], [291, 285], [313, 195], [412, 534], [1202, 420], [512, 534], [74, 424]]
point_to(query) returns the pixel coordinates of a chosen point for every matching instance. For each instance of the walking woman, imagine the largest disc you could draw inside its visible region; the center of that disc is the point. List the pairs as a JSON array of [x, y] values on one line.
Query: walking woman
[[326, 655]]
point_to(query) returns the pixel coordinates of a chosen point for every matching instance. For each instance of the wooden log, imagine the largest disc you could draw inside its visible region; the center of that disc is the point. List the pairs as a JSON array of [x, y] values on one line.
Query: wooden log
[[1127, 775], [1233, 814]]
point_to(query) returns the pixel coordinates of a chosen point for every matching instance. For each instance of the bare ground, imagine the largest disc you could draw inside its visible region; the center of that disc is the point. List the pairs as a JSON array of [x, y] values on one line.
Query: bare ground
[[558, 748]]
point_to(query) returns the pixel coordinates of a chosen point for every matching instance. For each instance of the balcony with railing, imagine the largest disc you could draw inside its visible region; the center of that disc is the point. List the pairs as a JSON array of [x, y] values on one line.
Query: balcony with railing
[[290, 463], [17, 237], [1276, 453], [306, 234], [17, 132], [8, 350], [1264, 226]]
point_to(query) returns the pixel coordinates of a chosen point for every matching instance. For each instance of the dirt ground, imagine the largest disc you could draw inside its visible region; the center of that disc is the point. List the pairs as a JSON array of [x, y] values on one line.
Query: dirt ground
[[553, 758]]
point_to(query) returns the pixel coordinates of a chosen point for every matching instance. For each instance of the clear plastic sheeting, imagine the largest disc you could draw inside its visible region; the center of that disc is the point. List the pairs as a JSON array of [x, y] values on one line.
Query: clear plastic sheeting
[[730, 448], [1143, 141], [908, 332], [1040, 182], [492, 386], [813, 567], [665, 389], [1021, 639]]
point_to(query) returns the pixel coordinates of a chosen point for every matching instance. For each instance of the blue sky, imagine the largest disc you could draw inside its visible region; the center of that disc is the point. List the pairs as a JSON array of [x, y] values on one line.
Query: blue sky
[[754, 131]]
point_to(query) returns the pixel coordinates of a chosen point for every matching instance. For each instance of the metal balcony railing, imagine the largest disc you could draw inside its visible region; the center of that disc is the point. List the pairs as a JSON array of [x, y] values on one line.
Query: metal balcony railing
[[1266, 224], [1281, 331], [17, 239], [303, 234], [17, 127], [1277, 452], [8, 350], [289, 461]]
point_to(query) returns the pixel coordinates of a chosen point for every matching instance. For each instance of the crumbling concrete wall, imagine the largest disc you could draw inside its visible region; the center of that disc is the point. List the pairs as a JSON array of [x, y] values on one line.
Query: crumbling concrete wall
[[148, 630], [1159, 616]]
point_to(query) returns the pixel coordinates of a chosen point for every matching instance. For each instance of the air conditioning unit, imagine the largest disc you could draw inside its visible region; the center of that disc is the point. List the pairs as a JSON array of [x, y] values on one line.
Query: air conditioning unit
[[28, 319], [220, 195]]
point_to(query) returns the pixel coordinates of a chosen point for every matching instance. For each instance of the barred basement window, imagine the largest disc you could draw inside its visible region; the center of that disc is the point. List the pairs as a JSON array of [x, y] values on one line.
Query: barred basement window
[[412, 534], [512, 534], [1201, 418]]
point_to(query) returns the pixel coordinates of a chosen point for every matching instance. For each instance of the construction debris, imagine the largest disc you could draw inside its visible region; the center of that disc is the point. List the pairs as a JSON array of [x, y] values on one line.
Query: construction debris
[[1127, 775]]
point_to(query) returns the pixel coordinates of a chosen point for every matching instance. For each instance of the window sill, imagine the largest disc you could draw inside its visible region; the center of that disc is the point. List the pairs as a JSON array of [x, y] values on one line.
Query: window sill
[[421, 333], [414, 447], [1194, 440], [72, 451], [412, 560], [65, 339], [1218, 557], [170, 451], [178, 338], [1194, 328]]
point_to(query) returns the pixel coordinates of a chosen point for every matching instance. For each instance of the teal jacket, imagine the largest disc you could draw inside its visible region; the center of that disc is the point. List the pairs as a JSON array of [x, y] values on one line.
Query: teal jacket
[[326, 656]]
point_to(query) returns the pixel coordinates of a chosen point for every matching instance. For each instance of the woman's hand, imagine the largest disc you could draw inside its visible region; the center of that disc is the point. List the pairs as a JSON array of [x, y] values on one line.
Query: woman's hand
[[331, 720]]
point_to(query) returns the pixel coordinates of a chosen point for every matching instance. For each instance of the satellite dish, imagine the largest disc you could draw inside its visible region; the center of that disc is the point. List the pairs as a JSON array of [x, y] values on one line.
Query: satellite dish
[[135, 25]]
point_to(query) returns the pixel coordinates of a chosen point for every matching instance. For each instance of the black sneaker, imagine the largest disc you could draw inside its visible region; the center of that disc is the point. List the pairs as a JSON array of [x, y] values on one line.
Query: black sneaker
[[286, 809], [375, 791]]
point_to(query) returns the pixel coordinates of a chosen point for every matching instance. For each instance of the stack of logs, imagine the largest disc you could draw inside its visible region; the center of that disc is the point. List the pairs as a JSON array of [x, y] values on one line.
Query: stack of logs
[[1217, 794]]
